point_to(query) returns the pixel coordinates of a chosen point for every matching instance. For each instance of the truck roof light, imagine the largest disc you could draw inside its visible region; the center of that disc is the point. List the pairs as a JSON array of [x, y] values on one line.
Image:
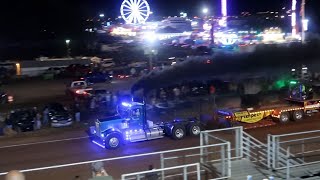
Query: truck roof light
[[126, 104]]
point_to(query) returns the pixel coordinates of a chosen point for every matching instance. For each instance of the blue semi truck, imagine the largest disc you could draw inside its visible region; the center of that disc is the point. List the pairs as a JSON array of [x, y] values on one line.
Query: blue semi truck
[[131, 125]]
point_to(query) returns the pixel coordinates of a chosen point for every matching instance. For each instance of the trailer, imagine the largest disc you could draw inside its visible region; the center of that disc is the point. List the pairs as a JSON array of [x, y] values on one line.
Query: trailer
[[292, 110], [131, 125]]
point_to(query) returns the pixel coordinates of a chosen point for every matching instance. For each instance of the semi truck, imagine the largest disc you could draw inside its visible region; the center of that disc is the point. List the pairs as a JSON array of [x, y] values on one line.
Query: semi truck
[[131, 125], [298, 103]]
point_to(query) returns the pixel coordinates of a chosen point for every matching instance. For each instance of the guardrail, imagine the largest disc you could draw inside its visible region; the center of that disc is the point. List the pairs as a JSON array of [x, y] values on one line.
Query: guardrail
[[155, 173]]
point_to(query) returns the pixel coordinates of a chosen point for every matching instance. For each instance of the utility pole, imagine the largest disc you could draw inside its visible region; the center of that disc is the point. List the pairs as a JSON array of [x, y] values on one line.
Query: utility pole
[[303, 16]]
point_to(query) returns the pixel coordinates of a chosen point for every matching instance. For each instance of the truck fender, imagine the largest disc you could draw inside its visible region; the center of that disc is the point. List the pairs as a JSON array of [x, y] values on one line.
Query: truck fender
[[168, 129], [108, 132]]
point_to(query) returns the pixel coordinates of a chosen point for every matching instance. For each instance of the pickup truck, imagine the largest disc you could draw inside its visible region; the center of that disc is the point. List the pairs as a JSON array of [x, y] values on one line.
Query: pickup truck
[[78, 88]]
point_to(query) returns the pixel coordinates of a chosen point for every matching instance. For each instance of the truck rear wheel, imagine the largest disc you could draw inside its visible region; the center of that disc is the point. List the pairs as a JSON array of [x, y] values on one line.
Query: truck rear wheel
[[194, 129], [113, 141], [178, 132], [284, 117], [297, 115]]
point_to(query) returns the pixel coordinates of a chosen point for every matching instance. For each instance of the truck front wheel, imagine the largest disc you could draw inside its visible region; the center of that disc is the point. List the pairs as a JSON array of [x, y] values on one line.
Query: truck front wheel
[[113, 142], [178, 132]]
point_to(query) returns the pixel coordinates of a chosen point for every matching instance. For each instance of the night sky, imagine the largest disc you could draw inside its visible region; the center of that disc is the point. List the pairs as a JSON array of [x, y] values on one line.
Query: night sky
[[25, 19]]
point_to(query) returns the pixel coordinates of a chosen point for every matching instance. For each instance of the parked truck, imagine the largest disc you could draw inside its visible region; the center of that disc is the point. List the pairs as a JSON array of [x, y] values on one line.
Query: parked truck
[[131, 125]]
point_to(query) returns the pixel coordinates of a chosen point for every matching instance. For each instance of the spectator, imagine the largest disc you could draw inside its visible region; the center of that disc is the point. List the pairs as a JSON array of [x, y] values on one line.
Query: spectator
[[114, 99], [98, 169], [77, 112], [15, 175], [108, 98], [45, 116], [93, 103], [176, 92], [152, 175], [163, 95], [38, 120]]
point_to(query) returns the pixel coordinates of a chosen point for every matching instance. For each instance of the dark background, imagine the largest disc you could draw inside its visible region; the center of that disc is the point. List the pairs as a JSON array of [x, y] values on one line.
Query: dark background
[[29, 24]]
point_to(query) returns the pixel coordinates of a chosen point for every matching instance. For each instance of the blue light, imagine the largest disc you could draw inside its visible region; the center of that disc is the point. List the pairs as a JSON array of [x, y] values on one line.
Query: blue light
[[126, 104], [98, 144]]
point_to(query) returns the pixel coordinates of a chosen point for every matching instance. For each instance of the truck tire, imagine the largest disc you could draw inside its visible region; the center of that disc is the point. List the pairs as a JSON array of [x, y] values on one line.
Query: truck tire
[[194, 129], [113, 141], [178, 132], [284, 117], [297, 115]]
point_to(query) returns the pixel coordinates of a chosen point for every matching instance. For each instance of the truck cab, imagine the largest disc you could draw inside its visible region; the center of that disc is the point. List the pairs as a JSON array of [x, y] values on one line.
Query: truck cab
[[131, 125]]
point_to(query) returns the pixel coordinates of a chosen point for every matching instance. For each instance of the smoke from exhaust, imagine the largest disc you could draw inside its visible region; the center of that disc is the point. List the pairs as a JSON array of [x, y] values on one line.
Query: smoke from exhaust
[[267, 59]]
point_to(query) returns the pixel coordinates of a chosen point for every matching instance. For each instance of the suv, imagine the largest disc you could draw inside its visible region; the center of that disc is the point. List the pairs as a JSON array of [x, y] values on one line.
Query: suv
[[22, 120]]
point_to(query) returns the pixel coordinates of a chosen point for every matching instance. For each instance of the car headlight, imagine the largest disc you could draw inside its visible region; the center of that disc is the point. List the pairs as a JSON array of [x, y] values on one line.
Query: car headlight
[[55, 121], [20, 123], [52, 117], [70, 119]]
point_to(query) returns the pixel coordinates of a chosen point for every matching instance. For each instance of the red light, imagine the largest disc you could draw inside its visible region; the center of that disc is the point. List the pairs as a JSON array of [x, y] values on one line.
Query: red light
[[78, 92], [208, 61], [10, 98]]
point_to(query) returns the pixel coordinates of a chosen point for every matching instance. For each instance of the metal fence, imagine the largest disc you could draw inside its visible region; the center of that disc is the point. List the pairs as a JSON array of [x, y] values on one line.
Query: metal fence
[[185, 172], [294, 151]]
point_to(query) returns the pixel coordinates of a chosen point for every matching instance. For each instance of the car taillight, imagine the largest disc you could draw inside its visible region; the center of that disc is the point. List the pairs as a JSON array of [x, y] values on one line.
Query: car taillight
[[10, 98], [78, 92]]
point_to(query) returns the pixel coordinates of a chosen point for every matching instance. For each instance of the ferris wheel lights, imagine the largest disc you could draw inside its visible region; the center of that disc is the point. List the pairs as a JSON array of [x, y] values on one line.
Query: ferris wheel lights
[[135, 11]]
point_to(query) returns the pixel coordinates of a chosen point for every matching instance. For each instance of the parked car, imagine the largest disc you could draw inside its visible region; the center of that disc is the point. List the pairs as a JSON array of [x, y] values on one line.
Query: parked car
[[5, 98], [97, 77], [138, 64], [22, 120], [58, 115], [107, 63]]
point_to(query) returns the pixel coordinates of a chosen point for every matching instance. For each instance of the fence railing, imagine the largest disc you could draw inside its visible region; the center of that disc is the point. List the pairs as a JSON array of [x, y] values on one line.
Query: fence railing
[[156, 173]]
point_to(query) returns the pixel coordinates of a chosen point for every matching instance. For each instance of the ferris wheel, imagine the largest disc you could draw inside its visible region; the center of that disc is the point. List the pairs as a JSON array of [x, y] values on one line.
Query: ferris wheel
[[135, 11]]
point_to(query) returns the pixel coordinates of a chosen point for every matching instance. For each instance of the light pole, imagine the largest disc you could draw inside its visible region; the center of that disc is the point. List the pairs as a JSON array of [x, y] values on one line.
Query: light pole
[[205, 11], [304, 21], [68, 47]]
